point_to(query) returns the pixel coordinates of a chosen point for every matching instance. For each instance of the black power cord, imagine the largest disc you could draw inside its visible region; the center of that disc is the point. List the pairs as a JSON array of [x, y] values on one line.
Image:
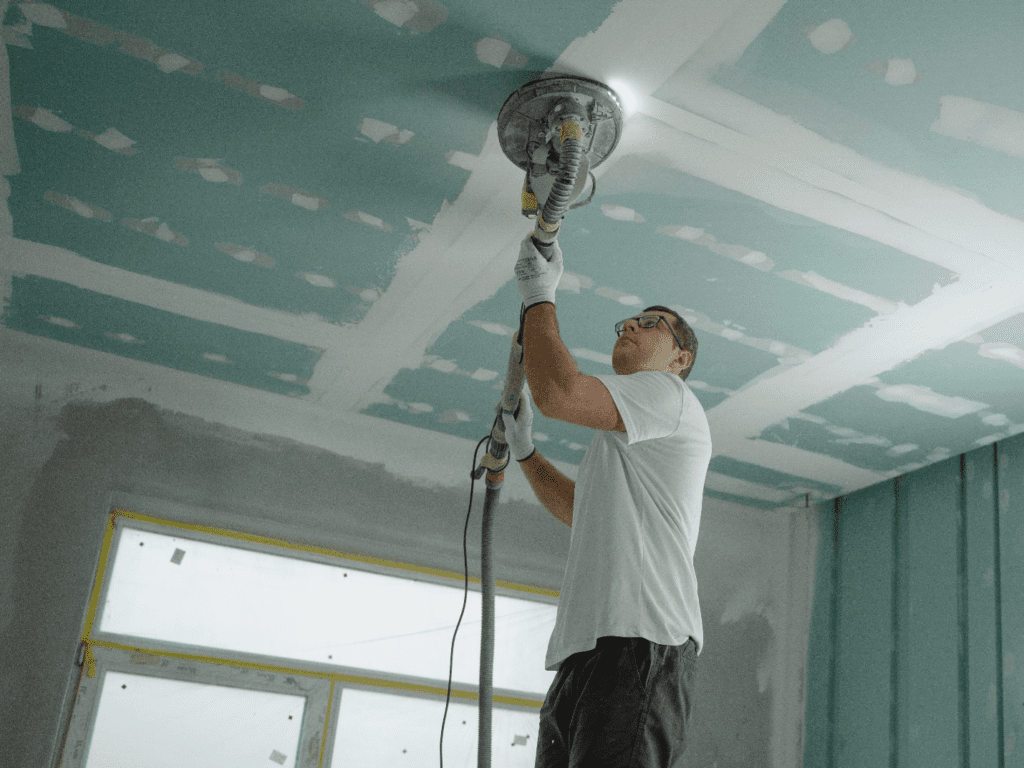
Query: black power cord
[[465, 595]]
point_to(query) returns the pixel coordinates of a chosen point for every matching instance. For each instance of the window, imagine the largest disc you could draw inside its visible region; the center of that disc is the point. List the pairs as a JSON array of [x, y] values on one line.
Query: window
[[212, 647]]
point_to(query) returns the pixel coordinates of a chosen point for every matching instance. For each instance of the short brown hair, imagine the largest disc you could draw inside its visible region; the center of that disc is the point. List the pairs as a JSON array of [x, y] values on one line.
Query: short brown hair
[[685, 334]]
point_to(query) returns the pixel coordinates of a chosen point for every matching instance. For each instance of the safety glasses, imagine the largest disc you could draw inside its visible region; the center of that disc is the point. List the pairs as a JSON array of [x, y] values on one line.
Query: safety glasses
[[647, 321]]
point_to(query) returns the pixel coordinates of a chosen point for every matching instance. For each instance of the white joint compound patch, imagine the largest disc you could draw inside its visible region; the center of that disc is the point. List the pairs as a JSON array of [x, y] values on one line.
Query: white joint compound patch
[[498, 53], [318, 280], [623, 298], [461, 159], [989, 125], [840, 291], [160, 231], [378, 131], [44, 15], [114, 139], [44, 118], [84, 210], [496, 328], [924, 399], [172, 62], [739, 253], [211, 170], [621, 213], [416, 15], [901, 72], [830, 37], [299, 197], [1008, 353], [372, 221], [247, 255]]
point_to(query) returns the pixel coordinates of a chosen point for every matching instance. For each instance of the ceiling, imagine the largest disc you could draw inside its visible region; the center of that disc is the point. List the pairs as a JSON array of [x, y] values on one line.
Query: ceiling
[[308, 199]]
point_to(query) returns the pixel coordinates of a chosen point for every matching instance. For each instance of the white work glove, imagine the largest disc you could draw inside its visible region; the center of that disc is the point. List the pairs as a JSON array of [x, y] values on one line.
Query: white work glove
[[538, 278], [519, 432]]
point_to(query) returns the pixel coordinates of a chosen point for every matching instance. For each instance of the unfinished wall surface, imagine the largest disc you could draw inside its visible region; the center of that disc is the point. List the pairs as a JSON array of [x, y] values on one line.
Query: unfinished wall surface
[[917, 629], [69, 468]]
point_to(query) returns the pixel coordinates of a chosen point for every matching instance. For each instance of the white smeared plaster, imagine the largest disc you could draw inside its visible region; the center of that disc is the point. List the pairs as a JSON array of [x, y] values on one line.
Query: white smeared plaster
[[274, 93], [45, 15], [305, 201], [1000, 350], [621, 213], [989, 125], [497, 328], [900, 72], [623, 298], [216, 357], [929, 401], [45, 119], [461, 159], [114, 139], [318, 280], [830, 37], [64, 323], [378, 131], [171, 62], [740, 145], [492, 50], [840, 291], [398, 12]]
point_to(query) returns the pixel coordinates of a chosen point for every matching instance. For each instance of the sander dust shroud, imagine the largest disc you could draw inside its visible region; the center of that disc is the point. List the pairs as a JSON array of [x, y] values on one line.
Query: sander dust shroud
[[556, 129]]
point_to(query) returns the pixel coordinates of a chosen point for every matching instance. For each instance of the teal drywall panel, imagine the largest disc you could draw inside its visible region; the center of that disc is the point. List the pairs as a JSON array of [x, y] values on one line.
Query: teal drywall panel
[[819, 714], [1011, 589], [927, 678], [97, 321], [865, 638], [676, 271], [843, 97], [341, 62], [982, 645]]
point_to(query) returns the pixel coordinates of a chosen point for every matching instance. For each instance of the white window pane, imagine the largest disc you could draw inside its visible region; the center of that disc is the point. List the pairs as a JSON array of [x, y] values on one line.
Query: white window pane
[[381, 729], [180, 590], [150, 722]]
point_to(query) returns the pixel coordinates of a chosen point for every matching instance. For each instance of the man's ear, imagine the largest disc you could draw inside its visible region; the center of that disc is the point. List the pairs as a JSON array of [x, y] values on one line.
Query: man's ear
[[684, 358]]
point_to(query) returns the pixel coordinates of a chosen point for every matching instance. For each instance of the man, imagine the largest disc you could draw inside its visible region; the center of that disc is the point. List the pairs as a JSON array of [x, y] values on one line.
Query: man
[[628, 628]]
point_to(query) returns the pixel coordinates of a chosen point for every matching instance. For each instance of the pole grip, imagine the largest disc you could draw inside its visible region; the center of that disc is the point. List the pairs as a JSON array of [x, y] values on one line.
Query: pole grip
[[515, 374]]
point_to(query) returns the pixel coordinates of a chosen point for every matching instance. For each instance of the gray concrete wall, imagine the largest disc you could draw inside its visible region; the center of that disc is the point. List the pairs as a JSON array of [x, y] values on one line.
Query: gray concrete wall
[[69, 458]]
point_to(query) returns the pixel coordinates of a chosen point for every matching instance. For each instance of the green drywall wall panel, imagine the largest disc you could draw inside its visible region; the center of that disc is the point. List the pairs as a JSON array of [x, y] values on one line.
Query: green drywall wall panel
[[982, 651], [94, 320], [865, 637], [927, 692], [819, 713], [1011, 587]]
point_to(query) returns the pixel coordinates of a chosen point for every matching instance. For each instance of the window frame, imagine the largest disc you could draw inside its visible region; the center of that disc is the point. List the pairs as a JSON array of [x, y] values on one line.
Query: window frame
[[322, 683]]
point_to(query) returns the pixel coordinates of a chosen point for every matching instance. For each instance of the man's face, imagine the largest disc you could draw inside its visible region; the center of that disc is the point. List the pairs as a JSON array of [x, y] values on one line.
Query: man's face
[[648, 349]]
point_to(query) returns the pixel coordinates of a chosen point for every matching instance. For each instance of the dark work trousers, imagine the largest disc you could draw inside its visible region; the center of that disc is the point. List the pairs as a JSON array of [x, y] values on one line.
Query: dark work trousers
[[624, 704]]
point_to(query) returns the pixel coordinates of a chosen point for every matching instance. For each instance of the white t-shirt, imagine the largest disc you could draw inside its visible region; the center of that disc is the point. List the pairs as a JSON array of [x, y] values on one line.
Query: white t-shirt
[[635, 520]]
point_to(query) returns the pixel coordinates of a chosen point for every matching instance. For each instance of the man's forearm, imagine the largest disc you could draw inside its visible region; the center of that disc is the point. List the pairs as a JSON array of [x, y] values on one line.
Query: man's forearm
[[554, 490], [549, 366]]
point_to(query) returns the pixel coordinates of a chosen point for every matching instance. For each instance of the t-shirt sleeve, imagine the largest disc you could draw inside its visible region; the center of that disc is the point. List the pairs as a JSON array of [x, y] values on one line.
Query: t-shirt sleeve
[[650, 403]]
